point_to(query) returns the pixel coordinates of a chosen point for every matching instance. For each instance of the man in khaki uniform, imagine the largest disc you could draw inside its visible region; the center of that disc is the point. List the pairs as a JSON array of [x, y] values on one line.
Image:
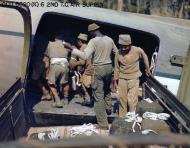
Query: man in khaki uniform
[[85, 68], [82, 43], [127, 71], [100, 47], [58, 67], [45, 89]]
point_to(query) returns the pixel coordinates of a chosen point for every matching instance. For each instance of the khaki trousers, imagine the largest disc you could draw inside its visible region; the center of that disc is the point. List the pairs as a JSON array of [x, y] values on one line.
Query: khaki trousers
[[128, 95]]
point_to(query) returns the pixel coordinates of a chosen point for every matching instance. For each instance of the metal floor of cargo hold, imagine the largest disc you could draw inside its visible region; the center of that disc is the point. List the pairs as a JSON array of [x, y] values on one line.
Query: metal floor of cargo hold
[[71, 114]]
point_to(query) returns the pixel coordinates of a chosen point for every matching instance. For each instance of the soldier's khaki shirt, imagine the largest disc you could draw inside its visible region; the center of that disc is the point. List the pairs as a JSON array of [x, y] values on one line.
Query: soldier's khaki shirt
[[56, 50], [100, 48], [88, 63], [127, 65], [84, 64]]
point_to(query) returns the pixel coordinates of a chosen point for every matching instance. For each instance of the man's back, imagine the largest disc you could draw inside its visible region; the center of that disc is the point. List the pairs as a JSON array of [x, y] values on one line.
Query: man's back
[[103, 47], [57, 50]]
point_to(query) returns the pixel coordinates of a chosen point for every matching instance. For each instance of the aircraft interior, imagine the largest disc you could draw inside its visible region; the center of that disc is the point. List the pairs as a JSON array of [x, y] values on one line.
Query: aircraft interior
[[41, 111]]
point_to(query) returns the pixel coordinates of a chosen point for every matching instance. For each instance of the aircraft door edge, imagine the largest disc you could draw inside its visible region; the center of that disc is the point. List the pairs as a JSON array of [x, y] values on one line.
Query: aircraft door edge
[[12, 101], [25, 12]]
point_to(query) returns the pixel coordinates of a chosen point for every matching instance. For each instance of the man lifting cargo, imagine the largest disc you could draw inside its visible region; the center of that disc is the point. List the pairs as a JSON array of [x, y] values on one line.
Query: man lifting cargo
[[58, 73]]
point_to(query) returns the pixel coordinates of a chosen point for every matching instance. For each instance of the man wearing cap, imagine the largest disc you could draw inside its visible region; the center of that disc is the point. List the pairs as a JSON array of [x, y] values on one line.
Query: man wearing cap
[[100, 47], [58, 67], [127, 73], [84, 67]]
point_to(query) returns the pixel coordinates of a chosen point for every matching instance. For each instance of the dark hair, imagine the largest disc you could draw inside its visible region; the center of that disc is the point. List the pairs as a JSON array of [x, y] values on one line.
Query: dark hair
[[83, 41]]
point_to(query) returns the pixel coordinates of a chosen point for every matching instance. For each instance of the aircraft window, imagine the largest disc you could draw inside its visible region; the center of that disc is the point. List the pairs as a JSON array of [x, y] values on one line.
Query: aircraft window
[[11, 47]]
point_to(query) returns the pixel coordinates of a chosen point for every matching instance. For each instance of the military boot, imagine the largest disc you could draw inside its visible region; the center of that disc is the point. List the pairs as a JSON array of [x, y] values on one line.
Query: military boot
[[102, 127], [65, 100], [57, 103], [86, 101], [46, 96]]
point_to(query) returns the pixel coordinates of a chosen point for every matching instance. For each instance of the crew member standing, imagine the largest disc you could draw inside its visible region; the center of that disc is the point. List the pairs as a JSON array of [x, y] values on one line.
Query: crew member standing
[[100, 47], [127, 73]]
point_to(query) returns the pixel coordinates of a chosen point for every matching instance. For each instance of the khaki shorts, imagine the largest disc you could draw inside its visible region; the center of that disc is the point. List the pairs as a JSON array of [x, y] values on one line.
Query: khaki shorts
[[58, 74], [86, 80]]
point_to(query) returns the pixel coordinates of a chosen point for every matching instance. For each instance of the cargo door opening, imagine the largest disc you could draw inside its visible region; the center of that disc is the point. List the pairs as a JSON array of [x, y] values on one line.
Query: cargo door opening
[[71, 26]]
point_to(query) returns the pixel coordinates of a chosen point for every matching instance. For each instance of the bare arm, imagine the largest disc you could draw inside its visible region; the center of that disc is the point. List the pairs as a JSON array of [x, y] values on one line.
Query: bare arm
[[116, 68]]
